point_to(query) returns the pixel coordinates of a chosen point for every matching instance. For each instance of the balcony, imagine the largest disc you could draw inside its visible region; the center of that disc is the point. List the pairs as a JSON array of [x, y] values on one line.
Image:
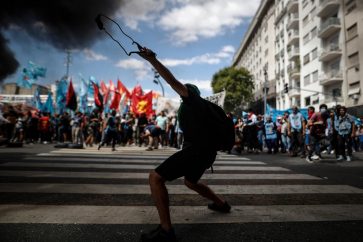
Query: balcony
[[293, 21], [330, 52], [294, 92], [293, 37], [327, 7], [329, 27], [294, 73], [331, 77], [332, 101], [294, 54], [292, 6]]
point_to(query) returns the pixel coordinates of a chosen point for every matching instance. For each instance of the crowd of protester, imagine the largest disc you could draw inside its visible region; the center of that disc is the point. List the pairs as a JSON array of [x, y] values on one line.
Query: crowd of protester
[[96, 128], [330, 131], [324, 131]]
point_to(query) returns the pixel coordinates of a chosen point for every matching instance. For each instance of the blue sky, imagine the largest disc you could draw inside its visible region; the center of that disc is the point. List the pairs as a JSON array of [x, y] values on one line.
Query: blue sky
[[194, 39]]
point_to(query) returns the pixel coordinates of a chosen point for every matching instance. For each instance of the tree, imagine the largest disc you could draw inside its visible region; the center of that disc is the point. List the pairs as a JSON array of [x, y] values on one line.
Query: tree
[[238, 84]]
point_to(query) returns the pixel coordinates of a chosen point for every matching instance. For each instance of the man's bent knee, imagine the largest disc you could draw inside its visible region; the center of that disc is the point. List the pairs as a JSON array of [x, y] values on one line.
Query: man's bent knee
[[154, 177]]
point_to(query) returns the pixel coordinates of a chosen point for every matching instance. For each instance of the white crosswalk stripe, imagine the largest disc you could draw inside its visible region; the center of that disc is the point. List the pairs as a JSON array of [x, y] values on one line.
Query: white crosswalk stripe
[[125, 173]]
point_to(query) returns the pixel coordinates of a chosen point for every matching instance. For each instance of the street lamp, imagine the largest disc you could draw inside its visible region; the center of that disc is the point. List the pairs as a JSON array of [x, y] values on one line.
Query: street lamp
[[157, 80]]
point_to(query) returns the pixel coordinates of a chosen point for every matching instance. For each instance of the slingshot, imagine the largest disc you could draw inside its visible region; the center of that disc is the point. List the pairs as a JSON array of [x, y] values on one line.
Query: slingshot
[[112, 29]]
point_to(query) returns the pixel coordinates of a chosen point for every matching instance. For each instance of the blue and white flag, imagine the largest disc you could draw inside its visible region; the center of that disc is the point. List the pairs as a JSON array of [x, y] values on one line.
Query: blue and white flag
[[47, 107]]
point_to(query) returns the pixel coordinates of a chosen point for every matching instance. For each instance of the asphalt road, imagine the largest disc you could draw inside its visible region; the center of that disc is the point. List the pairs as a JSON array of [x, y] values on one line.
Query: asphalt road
[[49, 194]]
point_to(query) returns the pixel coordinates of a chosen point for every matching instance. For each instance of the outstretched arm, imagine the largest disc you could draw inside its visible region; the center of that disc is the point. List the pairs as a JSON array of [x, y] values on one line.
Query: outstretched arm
[[164, 72]]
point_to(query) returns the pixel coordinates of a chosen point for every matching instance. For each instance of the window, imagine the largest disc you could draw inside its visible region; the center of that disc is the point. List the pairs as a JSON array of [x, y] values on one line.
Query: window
[[307, 101], [306, 59], [314, 32], [305, 20], [305, 3], [313, 13], [350, 5], [315, 76], [306, 39], [314, 54], [352, 31], [315, 99], [307, 80], [337, 92], [353, 59]]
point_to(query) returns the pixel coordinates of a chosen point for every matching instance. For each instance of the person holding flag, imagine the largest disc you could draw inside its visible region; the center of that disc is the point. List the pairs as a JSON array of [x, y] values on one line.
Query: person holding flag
[[196, 156]]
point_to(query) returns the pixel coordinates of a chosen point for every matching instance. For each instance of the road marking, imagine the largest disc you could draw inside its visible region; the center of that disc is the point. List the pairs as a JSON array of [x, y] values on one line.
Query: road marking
[[126, 166], [138, 160], [180, 214], [129, 175], [174, 189], [130, 155]]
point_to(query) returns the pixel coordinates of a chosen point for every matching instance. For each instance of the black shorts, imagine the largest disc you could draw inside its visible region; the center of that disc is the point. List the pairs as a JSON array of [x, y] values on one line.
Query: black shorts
[[191, 162]]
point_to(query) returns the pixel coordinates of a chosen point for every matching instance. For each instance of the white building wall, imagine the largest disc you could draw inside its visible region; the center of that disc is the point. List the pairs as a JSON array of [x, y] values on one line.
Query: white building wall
[[331, 62]]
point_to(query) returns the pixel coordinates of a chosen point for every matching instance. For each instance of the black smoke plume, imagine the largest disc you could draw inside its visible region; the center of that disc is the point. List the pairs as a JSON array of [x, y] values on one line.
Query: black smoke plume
[[63, 23]]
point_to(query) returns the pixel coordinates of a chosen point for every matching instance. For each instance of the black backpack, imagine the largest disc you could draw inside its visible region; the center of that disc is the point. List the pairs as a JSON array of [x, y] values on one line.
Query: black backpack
[[221, 126]]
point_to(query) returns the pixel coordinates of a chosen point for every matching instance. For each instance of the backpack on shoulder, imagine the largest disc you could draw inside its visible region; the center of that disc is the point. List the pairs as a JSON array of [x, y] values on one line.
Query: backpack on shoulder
[[222, 126]]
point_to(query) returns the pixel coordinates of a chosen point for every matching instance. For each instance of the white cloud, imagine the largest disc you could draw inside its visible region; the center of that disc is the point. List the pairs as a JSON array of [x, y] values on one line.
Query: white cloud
[[188, 20], [132, 12], [203, 85], [141, 68], [191, 20], [209, 58], [91, 55]]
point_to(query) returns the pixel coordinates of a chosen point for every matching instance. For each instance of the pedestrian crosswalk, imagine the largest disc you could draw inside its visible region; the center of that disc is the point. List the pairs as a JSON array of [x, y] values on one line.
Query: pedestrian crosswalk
[[88, 186]]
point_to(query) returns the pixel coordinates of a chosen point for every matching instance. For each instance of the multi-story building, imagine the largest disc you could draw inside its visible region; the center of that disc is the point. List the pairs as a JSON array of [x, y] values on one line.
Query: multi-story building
[[257, 53], [318, 48]]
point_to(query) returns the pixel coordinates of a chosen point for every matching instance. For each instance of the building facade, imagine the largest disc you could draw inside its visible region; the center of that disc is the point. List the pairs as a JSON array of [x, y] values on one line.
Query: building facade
[[318, 46], [257, 53]]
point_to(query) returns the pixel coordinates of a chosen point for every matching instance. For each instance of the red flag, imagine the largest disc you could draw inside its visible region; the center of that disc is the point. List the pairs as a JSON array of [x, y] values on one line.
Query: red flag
[[105, 92], [98, 97], [121, 88], [137, 90], [115, 101], [71, 98], [142, 104]]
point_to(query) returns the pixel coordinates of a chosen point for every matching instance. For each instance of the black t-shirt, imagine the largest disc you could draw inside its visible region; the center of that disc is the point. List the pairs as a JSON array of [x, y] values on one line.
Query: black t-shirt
[[193, 119]]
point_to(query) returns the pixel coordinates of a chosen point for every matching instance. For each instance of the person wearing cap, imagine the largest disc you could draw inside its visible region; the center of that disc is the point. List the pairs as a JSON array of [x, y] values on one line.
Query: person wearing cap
[[197, 154]]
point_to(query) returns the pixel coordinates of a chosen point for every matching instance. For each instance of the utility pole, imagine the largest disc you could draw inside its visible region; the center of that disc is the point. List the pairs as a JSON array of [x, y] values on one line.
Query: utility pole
[[68, 61]]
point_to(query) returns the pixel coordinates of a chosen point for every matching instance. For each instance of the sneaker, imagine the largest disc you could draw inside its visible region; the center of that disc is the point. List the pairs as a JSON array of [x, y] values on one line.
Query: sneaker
[[315, 157], [225, 208], [99, 147], [309, 160], [349, 158], [113, 149], [149, 149], [158, 235], [340, 158]]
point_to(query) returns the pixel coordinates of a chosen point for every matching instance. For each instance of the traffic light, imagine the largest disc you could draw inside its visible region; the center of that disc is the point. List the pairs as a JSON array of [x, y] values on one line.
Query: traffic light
[[286, 87]]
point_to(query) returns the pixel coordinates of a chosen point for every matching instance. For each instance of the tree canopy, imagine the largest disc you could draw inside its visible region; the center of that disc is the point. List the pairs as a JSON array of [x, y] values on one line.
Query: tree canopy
[[238, 84]]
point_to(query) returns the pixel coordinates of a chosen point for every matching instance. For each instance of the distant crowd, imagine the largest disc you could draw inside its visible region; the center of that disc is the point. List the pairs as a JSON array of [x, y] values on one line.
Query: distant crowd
[[91, 129], [331, 131]]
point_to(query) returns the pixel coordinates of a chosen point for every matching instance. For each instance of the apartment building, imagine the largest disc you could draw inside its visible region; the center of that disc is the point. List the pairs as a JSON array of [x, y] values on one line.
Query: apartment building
[[318, 47], [257, 54]]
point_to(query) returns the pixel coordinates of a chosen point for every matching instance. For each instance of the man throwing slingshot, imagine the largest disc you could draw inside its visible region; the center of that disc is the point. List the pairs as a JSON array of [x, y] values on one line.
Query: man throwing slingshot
[[196, 156]]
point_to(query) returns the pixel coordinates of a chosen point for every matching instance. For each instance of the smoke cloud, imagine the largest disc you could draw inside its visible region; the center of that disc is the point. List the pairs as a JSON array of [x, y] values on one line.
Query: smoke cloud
[[63, 24]]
